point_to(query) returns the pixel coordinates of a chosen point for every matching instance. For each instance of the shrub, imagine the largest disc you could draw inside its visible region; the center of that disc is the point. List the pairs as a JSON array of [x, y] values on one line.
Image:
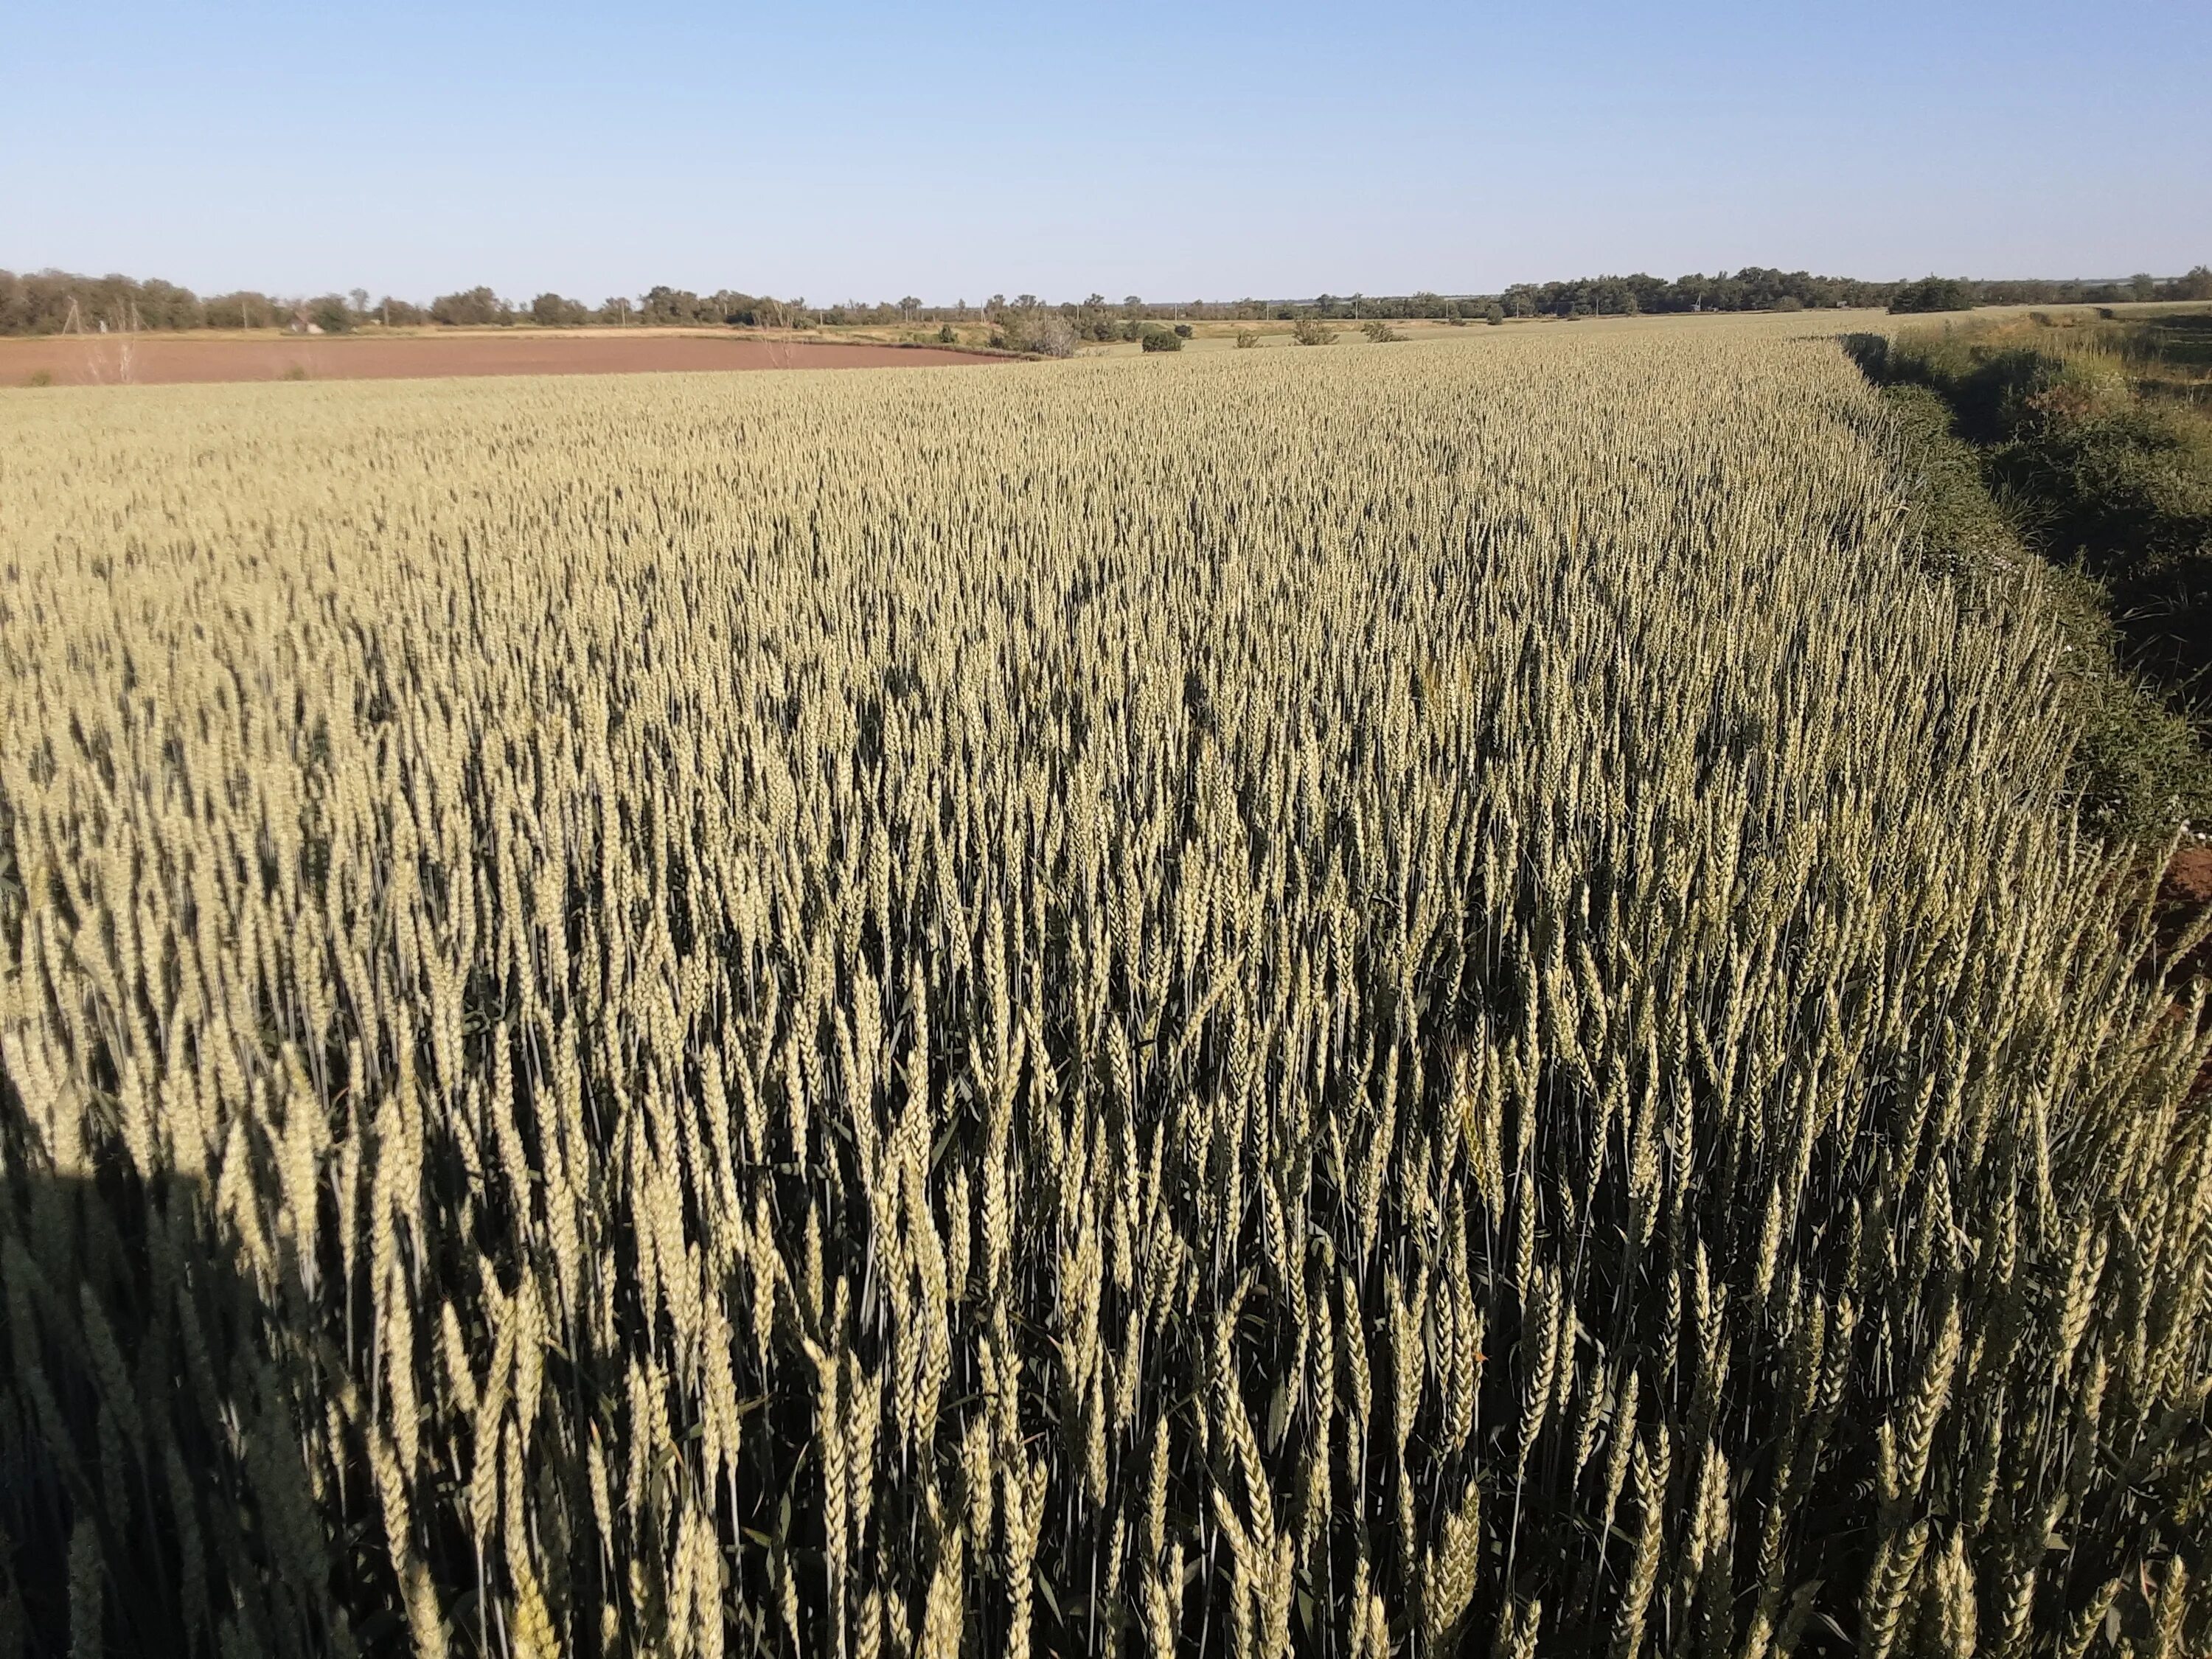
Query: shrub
[[1246, 338], [1380, 331], [1161, 339], [1493, 314], [1787, 302], [1183, 330], [329, 315], [948, 335], [41, 377], [1312, 331]]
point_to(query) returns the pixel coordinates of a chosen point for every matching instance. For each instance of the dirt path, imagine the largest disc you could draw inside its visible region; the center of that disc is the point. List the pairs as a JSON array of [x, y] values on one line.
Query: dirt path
[[163, 359]]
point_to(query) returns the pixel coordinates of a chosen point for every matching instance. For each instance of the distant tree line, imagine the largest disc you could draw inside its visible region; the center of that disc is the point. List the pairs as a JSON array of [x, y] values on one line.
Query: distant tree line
[[52, 301], [1757, 288]]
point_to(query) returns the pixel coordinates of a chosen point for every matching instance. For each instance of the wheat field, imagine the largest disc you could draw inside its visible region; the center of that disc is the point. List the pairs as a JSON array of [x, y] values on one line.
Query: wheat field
[[1387, 1001]]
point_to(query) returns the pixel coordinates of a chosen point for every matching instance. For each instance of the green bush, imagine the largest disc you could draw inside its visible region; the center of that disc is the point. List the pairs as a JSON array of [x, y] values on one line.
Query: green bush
[[1312, 331], [1183, 330], [1161, 340]]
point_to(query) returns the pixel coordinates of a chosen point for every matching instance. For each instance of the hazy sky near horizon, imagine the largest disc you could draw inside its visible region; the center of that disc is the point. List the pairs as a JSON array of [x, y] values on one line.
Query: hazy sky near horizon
[[1173, 152]]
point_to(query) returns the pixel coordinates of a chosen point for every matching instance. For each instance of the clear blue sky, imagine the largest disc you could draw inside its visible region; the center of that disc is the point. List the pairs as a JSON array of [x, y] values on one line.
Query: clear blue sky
[[873, 150]]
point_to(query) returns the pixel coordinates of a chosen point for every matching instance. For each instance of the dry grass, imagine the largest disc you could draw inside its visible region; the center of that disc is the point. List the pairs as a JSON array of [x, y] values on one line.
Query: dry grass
[[1329, 1002]]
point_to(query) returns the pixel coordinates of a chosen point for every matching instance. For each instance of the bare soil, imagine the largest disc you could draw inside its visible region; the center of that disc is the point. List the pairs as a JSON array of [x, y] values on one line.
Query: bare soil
[[2189, 878], [2182, 897], [2184, 893], [166, 358]]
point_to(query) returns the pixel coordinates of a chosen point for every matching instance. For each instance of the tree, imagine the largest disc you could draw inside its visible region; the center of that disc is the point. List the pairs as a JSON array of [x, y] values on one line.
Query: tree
[[553, 311], [2196, 285], [664, 305], [1933, 293], [329, 315], [909, 306], [2142, 287], [360, 298], [240, 310], [473, 307], [1044, 332]]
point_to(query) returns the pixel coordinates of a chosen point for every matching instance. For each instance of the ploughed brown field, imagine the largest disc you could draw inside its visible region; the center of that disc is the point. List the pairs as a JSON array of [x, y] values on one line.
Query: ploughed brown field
[[169, 359]]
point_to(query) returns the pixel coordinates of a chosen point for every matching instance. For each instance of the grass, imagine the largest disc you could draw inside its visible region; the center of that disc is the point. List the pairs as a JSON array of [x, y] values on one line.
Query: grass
[[2094, 435]]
